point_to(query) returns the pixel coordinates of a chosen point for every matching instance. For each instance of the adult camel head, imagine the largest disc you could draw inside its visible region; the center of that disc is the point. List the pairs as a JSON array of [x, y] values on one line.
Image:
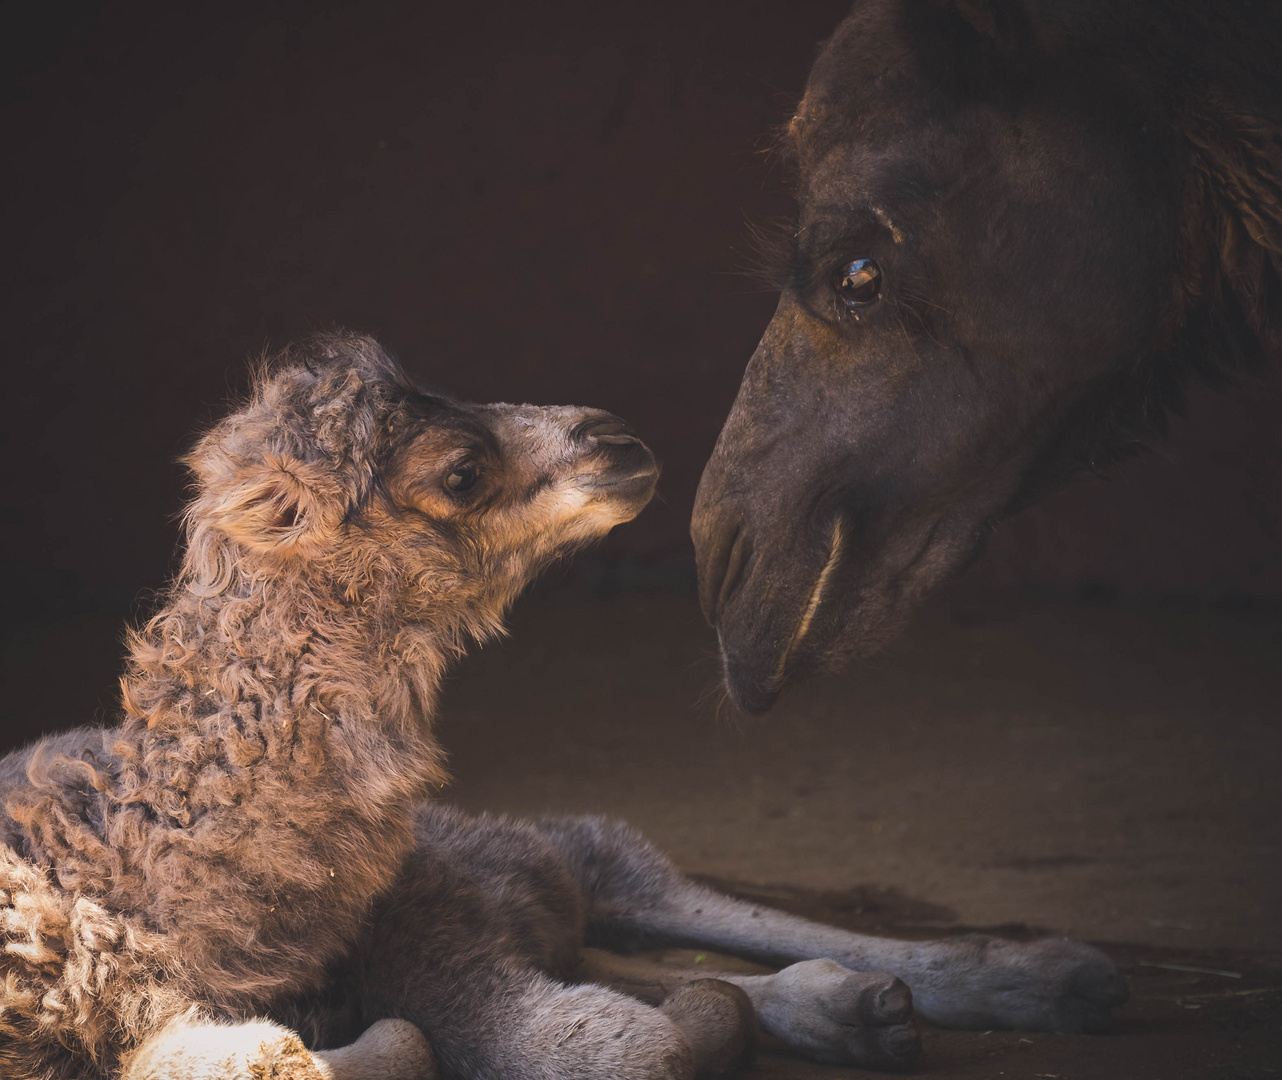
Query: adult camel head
[[1019, 233]]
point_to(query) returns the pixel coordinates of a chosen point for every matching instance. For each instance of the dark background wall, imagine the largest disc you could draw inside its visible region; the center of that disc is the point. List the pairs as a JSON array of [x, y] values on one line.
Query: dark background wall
[[524, 201]]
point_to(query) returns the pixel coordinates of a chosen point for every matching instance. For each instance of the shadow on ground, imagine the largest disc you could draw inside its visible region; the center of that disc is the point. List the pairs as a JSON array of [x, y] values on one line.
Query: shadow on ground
[[1100, 770], [1194, 1014]]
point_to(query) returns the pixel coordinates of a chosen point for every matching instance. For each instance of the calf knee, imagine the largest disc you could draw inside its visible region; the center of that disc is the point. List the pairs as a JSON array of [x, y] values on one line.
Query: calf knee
[[590, 1031], [718, 1022]]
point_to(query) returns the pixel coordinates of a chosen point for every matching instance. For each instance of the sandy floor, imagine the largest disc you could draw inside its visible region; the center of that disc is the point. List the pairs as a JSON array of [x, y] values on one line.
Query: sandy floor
[[1104, 771], [1107, 771]]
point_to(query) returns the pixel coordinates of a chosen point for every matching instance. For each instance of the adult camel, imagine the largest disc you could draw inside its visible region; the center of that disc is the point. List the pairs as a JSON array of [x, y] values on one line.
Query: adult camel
[[1023, 227]]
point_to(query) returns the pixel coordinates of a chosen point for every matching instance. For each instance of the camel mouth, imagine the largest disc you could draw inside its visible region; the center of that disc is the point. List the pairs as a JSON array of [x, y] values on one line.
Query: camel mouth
[[750, 627], [626, 495], [836, 546], [849, 602]]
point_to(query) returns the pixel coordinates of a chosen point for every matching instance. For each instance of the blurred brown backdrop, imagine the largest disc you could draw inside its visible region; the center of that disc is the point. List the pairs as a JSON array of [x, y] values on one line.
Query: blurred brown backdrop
[[537, 202], [549, 202]]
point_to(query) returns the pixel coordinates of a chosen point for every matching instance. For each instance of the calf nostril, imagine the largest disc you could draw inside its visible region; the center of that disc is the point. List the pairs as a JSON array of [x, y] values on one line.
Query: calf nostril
[[610, 430]]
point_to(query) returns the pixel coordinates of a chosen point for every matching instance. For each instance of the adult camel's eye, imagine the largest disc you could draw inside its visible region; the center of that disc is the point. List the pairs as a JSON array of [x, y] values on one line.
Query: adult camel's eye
[[859, 282], [462, 479]]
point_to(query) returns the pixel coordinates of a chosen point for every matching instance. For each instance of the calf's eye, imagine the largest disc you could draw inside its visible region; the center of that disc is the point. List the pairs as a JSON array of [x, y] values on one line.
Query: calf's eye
[[859, 282], [462, 479]]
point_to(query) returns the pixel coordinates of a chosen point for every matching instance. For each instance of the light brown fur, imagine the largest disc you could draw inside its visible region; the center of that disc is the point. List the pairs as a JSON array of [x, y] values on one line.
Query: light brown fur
[[221, 845]]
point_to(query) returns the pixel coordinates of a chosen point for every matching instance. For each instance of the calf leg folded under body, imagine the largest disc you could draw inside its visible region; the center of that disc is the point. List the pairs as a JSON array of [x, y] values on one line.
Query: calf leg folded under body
[[457, 956], [193, 1048], [508, 1023], [717, 1021]]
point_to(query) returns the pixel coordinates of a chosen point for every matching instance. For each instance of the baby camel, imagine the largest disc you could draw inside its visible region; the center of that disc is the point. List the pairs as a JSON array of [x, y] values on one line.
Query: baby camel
[[244, 871]]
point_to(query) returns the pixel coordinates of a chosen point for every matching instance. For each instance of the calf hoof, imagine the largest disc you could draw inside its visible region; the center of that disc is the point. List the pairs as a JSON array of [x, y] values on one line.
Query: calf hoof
[[388, 1050], [1052, 984], [845, 1017], [189, 1048], [718, 1022]]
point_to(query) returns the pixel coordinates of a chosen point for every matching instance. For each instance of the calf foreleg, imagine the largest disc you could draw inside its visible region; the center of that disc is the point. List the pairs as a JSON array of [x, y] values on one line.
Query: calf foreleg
[[816, 1007], [191, 1048], [637, 897]]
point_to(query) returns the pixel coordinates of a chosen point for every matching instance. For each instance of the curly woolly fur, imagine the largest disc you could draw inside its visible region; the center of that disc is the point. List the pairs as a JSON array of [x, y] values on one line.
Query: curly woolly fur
[[220, 847]]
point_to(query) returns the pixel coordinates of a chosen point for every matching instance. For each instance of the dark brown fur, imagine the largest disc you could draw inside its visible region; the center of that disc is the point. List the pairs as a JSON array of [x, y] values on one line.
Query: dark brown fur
[[1076, 208]]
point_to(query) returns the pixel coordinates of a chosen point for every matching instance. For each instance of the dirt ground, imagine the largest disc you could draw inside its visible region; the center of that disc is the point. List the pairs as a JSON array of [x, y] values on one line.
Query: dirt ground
[[1099, 770], [1104, 770]]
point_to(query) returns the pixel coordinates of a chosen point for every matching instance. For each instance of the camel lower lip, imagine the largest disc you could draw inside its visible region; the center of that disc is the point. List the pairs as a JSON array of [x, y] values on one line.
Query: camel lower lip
[[755, 672], [814, 600], [748, 694]]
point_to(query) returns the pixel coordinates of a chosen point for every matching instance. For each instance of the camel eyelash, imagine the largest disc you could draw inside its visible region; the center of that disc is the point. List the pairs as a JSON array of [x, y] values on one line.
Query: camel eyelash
[[772, 256]]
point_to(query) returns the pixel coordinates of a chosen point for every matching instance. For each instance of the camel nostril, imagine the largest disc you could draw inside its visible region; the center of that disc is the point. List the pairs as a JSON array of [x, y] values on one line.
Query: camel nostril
[[723, 572], [607, 429], [736, 564]]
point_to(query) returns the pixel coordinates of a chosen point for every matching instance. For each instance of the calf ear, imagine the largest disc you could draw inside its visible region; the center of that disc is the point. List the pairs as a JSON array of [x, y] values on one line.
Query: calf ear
[[278, 504]]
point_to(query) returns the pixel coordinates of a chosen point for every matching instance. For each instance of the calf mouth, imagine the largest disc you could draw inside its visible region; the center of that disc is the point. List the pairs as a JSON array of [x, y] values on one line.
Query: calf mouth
[[618, 465], [638, 480]]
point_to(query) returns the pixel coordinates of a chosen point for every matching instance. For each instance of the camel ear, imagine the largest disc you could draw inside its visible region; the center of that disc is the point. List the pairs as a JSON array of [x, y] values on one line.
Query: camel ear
[[1002, 26], [1237, 181], [277, 504], [979, 45]]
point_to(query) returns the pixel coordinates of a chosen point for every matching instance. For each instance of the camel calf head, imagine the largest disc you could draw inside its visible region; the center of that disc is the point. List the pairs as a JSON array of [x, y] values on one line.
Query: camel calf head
[[339, 469]]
